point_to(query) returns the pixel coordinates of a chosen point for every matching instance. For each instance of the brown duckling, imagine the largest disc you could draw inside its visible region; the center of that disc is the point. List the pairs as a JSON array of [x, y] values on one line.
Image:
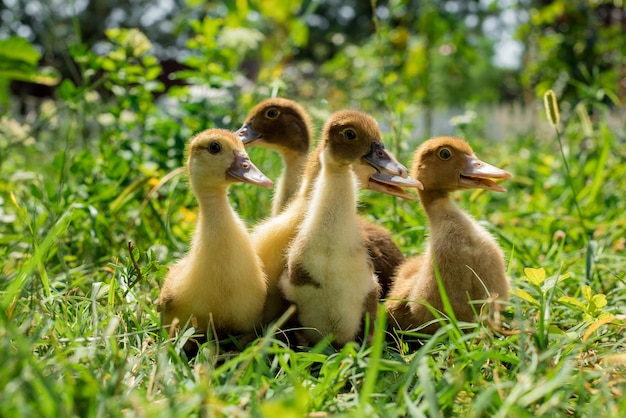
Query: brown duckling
[[284, 126], [329, 274], [220, 282], [468, 259]]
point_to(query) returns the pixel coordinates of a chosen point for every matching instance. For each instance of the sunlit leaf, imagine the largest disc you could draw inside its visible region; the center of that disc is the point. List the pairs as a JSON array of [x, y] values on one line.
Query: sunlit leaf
[[535, 276], [572, 301], [599, 300], [521, 293], [18, 50]]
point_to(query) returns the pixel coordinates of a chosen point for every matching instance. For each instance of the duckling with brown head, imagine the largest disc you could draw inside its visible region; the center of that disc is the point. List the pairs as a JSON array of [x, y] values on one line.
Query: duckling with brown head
[[468, 259], [220, 282], [282, 125], [329, 274]]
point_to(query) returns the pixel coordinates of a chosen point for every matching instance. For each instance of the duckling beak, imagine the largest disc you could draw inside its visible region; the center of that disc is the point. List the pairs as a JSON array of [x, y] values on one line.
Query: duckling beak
[[249, 136], [478, 174], [242, 169], [390, 176], [388, 184], [381, 160]]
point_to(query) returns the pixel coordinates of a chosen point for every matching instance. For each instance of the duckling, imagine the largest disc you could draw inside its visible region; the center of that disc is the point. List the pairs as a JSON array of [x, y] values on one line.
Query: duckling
[[285, 126], [272, 236], [282, 125], [467, 258], [329, 274], [220, 281]]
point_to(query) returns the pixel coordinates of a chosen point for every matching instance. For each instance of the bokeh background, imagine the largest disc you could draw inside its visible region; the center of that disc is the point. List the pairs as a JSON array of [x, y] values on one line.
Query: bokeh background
[[428, 60]]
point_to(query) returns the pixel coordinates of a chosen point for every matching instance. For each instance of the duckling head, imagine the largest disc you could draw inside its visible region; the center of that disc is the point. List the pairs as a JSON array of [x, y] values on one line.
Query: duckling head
[[448, 164], [279, 124], [354, 138], [217, 158]]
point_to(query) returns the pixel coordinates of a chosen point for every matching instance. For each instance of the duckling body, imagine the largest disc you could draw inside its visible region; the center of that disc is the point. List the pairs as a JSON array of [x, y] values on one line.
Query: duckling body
[[220, 281], [329, 274], [465, 255], [285, 126]]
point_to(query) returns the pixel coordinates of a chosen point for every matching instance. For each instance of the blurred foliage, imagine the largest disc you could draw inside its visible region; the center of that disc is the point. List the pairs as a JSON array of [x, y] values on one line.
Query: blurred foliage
[[19, 61], [409, 54], [577, 48]]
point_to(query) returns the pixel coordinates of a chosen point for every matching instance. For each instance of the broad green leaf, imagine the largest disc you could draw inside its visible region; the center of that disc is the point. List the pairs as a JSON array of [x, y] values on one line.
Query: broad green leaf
[[66, 90], [587, 294], [18, 50]]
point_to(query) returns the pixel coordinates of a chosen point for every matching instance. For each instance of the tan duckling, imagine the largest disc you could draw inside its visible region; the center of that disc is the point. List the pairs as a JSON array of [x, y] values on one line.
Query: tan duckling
[[271, 237], [468, 259], [329, 274], [220, 282], [284, 126]]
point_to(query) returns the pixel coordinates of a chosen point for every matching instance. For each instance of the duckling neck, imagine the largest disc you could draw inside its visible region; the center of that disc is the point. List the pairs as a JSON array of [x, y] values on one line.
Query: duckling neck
[[334, 196], [289, 181], [216, 218], [434, 201], [452, 231]]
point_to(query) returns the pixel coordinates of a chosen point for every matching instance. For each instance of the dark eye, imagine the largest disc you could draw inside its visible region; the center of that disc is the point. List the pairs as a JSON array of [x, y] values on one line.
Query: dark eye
[[214, 147], [349, 134], [445, 154], [272, 113]]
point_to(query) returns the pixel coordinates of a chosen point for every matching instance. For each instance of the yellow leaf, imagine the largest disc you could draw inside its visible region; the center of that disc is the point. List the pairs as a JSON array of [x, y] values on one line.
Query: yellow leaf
[[520, 293], [535, 276], [599, 300], [572, 301]]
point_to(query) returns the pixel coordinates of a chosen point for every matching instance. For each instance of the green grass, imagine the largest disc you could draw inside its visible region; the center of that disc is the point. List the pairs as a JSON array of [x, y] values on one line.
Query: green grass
[[80, 336]]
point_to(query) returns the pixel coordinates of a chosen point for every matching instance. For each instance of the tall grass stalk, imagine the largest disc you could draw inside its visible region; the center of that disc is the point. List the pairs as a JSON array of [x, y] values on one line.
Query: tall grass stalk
[[553, 115]]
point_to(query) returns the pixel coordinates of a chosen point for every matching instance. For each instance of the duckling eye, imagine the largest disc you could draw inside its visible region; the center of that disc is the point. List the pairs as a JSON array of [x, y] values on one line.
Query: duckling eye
[[272, 113], [445, 154], [349, 134], [214, 147]]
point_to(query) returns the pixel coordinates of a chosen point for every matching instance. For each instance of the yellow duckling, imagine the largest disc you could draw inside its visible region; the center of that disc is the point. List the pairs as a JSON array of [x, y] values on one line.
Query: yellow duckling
[[329, 274], [220, 283]]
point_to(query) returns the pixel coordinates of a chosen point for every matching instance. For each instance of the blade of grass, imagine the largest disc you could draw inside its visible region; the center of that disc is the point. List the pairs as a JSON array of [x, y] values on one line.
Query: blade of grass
[[37, 259], [376, 351]]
